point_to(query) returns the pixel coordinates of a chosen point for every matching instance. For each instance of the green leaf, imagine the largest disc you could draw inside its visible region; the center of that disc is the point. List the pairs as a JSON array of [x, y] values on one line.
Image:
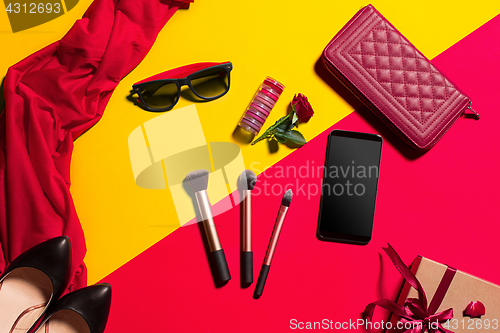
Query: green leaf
[[286, 125], [294, 138], [272, 130], [280, 130], [280, 136]]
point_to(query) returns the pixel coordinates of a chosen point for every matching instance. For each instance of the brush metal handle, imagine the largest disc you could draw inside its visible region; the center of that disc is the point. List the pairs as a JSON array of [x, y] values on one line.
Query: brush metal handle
[[259, 289], [212, 236], [246, 239], [273, 243], [208, 220], [246, 227], [221, 265], [270, 251]]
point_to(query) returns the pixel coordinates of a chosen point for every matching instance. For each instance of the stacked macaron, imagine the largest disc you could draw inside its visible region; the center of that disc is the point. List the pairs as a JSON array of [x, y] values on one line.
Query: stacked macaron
[[261, 105]]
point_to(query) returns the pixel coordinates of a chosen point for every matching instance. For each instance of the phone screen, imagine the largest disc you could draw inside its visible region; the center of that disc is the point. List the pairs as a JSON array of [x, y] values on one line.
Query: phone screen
[[349, 187]]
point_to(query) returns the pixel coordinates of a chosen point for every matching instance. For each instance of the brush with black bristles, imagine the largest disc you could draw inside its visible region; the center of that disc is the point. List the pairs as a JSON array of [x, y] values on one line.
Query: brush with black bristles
[[199, 182], [285, 203], [247, 180]]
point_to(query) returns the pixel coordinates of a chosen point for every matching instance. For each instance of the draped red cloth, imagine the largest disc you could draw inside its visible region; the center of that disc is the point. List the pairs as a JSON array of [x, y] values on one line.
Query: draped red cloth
[[51, 98]]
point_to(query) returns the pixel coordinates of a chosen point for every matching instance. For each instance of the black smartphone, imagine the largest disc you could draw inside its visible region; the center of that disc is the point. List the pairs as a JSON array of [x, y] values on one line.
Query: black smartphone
[[349, 188]]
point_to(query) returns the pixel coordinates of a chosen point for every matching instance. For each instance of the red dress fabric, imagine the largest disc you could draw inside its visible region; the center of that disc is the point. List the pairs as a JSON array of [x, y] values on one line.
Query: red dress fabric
[[52, 97]]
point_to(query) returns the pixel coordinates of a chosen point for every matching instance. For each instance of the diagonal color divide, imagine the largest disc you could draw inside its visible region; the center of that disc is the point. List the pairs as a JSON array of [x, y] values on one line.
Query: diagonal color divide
[[165, 149], [178, 282], [28, 14]]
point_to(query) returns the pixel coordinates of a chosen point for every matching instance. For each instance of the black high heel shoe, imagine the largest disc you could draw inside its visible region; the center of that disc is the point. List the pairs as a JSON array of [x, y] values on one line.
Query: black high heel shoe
[[83, 311], [33, 281]]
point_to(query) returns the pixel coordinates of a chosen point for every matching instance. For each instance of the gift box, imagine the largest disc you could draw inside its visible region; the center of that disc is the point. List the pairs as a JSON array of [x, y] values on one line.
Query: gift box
[[456, 290], [437, 298]]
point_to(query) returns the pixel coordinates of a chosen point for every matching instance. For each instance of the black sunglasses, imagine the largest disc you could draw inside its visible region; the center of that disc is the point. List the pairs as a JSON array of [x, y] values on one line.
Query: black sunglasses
[[208, 81]]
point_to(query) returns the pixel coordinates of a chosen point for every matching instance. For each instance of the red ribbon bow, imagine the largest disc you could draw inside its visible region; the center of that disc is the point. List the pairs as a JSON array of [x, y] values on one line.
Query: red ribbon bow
[[416, 316]]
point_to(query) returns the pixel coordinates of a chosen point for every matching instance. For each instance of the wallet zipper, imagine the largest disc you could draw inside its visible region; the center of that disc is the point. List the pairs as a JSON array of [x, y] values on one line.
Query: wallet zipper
[[469, 107]]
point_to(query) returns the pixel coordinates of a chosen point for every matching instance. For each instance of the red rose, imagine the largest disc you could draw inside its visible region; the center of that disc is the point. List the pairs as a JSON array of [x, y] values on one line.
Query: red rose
[[302, 108]]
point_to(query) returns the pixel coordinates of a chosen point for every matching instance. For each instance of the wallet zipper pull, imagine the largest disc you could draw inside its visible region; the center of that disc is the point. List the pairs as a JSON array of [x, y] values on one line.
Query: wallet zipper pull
[[469, 107]]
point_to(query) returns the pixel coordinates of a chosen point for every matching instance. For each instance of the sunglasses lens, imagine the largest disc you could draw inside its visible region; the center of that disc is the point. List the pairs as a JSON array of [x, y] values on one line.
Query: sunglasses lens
[[159, 95], [211, 82]]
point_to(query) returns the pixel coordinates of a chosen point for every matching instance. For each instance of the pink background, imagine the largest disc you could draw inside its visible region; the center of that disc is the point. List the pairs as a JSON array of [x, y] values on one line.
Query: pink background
[[442, 205]]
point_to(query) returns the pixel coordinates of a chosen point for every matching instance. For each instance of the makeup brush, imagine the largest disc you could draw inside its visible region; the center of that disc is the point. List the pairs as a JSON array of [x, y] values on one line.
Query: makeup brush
[[199, 182], [285, 203], [249, 179]]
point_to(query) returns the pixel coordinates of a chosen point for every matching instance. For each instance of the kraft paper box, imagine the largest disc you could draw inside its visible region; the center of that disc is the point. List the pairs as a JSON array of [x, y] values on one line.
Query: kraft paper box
[[463, 289]]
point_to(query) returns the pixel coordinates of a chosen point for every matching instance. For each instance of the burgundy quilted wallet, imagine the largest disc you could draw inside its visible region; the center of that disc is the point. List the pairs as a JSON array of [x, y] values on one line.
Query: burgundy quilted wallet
[[392, 78]]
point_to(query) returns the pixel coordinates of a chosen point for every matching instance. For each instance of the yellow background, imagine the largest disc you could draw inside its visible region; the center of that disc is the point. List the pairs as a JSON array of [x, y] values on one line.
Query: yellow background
[[280, 38]]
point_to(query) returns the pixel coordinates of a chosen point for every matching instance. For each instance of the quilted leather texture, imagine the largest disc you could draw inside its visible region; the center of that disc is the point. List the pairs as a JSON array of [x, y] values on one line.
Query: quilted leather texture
[[394, 79]]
